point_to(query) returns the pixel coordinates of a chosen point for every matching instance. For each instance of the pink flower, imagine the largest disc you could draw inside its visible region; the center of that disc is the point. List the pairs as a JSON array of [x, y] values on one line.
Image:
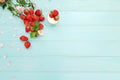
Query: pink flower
[[2, 1]]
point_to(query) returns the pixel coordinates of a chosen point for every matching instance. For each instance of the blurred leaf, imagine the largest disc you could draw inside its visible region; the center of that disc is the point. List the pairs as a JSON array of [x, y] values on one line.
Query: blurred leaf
[[36, 26], [4, 6], [33, 34], [11, 8]]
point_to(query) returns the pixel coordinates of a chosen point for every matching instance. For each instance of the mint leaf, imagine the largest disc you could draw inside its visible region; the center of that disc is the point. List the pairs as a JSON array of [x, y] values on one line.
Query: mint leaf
[[33, 34], [36, 26]]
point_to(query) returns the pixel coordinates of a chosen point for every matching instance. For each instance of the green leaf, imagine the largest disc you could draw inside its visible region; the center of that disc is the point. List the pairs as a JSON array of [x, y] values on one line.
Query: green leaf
[[22, 2], [4, 6], [11, 8], [36, 26], [33, 34], [17, 1]]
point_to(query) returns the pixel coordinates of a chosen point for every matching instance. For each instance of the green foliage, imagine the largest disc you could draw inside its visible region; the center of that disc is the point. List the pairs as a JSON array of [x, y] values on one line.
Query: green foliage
[[33, 34], [12, 6]]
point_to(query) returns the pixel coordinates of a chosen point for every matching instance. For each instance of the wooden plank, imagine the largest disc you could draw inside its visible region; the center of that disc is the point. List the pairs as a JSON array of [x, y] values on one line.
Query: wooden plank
[[79, 19], [70, 33], [67, 48], [62, 64], [59, 76], [81, 5]]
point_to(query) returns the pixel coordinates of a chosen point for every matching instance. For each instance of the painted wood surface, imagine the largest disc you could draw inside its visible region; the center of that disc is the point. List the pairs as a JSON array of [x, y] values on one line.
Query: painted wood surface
[[84, 45]]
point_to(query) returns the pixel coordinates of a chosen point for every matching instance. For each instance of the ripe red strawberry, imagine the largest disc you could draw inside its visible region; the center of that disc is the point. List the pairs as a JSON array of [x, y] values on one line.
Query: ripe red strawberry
[[41, 18], [56, 18], [28, 17], [27, 29], [26, 22], [51, 15], [38, 12], [25, 18], [41, 26], [32, 17], [35, 18], [26, 11], [31, 11], [24, 38], [32, 24], [55, 13], [22, 16], [27, 44]]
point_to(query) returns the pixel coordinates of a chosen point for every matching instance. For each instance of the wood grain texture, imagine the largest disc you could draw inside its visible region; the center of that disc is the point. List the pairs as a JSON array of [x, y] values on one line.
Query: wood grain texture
[[84, 45]]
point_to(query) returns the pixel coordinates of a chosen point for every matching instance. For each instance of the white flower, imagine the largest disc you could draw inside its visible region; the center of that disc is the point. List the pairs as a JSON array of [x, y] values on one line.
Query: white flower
[[20, 9], [40, 32]]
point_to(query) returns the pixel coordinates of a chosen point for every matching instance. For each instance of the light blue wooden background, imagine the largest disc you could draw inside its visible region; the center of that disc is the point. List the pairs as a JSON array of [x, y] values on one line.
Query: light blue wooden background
[[84, 45]]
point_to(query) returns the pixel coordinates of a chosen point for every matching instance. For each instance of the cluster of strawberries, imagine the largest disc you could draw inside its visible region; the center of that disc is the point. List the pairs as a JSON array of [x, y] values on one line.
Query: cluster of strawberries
[[32, 23], [54, 14], [30, 17]]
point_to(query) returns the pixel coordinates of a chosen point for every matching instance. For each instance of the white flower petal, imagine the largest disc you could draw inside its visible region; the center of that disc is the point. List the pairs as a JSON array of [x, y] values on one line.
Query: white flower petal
[[40, 32]]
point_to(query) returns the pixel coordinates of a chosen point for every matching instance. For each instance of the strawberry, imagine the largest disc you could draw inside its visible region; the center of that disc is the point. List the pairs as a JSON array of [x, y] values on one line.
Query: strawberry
[[28, 17], [26, 11], [55, 13], [32, 24], [41, 18], [56, 18], [41, 26], [23, 38], [38, 12], [32, 17], [35, 18], [27, 44], [25, 18], [27, 29], [31, 11], [22, 16], [51, 15], [26, 22]]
